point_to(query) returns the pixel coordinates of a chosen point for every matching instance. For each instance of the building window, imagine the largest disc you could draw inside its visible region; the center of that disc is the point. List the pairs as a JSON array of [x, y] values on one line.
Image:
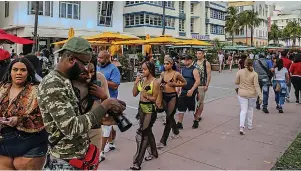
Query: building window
[[169, 4], [70, 9], [192, 25], [215, 14], [169, 22], [206, 29], [147, 19], [191, 8], [6, 13], [181, 6], [242, 31], [181, 25], [131, 2], [45, 8], [241, 8], [105, 9], [260, 9], [206, 12], [216, 29]]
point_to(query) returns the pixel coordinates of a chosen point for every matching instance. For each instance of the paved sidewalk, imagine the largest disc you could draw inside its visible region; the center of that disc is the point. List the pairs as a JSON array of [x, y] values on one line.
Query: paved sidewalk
[[217, 143]]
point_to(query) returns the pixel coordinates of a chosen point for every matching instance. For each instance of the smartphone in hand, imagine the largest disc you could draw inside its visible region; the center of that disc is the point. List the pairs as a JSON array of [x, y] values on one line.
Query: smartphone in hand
[[98, 83]]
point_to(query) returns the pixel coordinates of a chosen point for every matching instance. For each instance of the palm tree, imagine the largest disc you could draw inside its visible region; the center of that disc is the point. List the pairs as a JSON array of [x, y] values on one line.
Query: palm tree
[[232, 22], [163, 18], [250, 19], [285, 35], [274, 34], [292, 28]]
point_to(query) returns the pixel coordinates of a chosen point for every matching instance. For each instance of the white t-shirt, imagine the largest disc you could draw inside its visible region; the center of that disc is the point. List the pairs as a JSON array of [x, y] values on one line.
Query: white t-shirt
[[280, 75], [220, 57], [251, 55]]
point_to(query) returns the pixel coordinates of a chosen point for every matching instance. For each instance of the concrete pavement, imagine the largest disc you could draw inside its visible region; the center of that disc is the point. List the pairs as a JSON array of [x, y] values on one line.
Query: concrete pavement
[[216, 144]]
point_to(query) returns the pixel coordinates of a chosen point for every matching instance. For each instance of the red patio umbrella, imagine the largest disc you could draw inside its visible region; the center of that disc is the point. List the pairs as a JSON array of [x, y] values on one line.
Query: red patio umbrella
[[4, 54], [11, 39]]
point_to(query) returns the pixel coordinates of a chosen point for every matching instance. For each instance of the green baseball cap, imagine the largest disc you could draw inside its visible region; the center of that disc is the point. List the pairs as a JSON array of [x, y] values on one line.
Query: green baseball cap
[[77, 45]]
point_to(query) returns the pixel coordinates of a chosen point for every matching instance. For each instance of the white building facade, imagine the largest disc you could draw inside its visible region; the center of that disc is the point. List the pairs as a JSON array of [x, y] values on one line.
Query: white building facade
[[183, 19], [281, 20], [57, 17], [260, 34]]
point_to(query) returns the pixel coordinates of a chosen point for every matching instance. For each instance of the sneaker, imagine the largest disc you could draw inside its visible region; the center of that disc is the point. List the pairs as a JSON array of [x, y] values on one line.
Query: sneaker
[[160, 145], [164, 121], [180, 125], [297, 101], [241, 131], [109, 147], [258, 106], [277, 107], [265, 110], [174, 136], [250, 127], [287, 99], [280, 110], [195, 124], [102, 156]]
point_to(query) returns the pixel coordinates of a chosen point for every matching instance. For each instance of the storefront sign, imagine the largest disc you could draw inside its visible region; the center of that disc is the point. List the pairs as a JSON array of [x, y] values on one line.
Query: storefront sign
[[200, 37]]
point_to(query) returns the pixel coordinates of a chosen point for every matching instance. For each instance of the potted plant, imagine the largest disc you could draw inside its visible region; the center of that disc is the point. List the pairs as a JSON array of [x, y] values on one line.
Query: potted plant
[[212, 58]]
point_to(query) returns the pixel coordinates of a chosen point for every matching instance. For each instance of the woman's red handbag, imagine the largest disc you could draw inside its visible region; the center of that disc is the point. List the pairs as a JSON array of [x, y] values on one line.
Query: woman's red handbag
[[90, 161]]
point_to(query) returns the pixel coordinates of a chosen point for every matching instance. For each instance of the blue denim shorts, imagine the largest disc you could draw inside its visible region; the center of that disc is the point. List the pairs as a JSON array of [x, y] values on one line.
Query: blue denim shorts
[[15, 143]]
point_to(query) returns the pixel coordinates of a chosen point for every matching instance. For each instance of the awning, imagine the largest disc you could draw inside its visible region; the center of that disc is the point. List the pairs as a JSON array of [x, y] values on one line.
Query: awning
[[6, 38]]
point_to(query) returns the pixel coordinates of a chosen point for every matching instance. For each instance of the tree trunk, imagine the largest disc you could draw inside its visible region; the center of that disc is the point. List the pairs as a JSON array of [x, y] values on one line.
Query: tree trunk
[[232, 39], [251, 36], [247, 35], [35, 31]]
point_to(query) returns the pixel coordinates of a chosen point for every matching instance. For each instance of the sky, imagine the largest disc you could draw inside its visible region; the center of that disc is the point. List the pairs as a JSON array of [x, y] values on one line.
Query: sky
[[286, 4]]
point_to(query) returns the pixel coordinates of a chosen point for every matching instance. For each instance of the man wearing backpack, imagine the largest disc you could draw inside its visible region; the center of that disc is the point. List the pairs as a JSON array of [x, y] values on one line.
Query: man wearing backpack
[[263, 68]]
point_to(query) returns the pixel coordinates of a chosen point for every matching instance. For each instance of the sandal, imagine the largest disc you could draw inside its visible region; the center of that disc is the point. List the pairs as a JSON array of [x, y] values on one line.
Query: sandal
[[150, 157], [135, 167]]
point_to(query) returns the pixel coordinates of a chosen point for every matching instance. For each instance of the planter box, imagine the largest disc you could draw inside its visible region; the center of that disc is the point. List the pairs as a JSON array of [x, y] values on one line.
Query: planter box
[[215, 67]]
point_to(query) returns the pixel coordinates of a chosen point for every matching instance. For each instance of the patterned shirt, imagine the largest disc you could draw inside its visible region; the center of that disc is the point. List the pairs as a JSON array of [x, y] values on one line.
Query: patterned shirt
[[202, 70], [59, 107]]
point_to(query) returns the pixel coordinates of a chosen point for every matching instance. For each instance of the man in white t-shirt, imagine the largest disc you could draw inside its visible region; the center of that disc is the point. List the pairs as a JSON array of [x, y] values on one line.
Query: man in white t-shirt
[[221, 60], [251, 55]]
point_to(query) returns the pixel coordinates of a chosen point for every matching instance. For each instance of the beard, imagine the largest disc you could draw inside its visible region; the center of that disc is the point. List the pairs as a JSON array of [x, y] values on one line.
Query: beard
[[74, 72]]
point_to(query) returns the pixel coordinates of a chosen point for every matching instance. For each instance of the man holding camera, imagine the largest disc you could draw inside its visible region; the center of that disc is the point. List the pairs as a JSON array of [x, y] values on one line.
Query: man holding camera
[[67, 128]]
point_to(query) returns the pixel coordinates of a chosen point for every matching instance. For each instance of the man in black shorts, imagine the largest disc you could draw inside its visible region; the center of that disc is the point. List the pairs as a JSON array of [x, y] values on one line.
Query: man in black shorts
[[188, 95]]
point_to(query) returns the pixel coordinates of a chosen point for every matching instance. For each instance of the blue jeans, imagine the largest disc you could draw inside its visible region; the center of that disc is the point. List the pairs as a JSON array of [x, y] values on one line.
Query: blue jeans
[[265, 88], [280, 96]]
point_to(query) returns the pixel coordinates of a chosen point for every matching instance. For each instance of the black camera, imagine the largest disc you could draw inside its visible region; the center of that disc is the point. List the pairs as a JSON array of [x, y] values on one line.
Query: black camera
[[123, 123]]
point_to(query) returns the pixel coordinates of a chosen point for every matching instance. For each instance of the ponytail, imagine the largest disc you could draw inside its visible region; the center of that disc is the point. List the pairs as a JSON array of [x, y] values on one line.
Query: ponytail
[[250, 68]]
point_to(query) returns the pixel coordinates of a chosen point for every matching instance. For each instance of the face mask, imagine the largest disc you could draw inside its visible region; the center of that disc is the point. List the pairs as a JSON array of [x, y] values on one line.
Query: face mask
[[74, 72]]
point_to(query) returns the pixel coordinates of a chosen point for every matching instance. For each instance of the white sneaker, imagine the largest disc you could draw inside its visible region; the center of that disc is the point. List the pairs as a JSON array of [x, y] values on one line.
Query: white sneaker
[[102, 156], [241, 131], [250, 127], [109, 147], [174, 136]]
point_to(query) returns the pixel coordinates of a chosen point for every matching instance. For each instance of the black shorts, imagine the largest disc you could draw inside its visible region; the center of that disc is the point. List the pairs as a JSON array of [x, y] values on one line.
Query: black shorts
[[14, 143], [186, 102]]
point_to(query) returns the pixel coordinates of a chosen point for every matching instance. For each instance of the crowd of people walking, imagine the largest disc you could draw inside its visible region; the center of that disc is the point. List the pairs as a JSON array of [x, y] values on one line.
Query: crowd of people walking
[[66, 119]]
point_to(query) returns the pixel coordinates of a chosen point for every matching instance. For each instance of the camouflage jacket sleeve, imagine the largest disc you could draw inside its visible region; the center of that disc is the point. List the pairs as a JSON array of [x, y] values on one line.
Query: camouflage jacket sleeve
[[56, 99]]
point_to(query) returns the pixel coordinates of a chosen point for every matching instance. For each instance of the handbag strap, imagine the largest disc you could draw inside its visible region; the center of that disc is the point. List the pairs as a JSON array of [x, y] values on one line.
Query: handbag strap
[[263, 67]]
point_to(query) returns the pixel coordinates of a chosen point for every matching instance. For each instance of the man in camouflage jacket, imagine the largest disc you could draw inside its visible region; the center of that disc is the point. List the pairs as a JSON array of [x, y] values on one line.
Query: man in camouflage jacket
[[59, 105]]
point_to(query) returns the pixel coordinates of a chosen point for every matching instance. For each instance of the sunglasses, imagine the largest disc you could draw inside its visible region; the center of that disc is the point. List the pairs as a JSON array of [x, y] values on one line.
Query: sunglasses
[[166, 63], [86, 64]]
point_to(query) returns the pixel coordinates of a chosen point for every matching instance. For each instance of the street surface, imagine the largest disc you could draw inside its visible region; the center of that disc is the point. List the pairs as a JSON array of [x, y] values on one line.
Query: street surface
[[216, 144]]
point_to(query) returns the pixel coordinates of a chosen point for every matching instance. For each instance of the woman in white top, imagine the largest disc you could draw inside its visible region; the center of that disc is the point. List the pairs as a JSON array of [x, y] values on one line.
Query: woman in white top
[[279, 84]]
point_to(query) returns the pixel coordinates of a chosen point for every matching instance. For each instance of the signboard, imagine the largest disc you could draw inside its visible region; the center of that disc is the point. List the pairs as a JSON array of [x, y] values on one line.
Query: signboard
[[200, 37]]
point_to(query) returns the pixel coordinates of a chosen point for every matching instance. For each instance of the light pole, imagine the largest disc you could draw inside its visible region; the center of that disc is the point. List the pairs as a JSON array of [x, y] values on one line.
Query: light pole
[[35, 31]]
